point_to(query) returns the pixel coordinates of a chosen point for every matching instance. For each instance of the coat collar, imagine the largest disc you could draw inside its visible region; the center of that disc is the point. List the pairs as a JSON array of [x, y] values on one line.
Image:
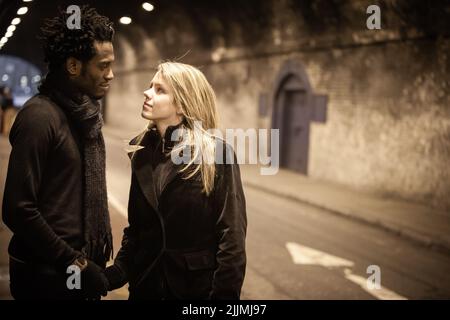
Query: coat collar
[[144, 145]]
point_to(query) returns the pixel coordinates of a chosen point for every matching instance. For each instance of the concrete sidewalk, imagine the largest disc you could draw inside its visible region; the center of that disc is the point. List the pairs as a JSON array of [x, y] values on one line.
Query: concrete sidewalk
[[415, 222]]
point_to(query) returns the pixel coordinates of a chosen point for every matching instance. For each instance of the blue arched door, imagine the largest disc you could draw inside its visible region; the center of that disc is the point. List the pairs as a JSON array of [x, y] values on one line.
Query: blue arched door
[[294, 107]]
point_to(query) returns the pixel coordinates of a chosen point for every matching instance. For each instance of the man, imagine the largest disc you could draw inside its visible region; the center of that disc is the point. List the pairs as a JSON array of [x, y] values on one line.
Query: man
[[55, 198]]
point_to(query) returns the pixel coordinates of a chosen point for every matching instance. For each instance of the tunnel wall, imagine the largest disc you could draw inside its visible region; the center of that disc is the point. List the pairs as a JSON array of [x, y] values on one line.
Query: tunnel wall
[[388, 115]]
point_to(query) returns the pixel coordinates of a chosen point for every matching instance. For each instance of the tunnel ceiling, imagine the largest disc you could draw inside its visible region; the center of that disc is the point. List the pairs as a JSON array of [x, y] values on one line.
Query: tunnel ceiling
[[206, 20]]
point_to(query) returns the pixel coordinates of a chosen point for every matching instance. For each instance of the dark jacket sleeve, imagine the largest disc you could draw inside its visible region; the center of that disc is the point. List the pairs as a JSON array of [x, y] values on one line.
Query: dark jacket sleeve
[[231, 229], [32, 137], [118, 275]]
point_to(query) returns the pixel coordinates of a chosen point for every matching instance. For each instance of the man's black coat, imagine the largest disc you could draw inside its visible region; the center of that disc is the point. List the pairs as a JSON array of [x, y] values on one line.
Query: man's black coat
[[42, 202]]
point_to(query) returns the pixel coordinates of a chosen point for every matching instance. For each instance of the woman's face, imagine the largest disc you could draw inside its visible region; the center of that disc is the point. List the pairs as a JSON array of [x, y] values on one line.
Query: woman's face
[[159, 105]]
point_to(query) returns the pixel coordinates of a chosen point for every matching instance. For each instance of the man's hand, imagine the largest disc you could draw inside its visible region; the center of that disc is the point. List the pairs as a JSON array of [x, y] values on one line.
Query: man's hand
[[93, 280]]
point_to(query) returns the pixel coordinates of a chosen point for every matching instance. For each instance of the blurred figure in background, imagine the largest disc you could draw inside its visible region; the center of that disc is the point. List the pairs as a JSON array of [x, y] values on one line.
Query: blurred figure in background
[[8, 112], [1, 107]]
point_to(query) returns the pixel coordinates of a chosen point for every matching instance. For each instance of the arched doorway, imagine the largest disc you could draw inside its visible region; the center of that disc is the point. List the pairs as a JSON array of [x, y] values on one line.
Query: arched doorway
[[294, 107]]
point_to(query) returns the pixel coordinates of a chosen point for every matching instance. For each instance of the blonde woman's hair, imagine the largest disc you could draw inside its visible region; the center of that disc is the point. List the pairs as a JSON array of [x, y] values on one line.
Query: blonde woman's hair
[[193, 93]]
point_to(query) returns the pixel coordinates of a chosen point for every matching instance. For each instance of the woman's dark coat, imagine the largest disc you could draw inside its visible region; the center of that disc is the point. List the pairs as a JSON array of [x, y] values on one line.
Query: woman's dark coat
[[182, 244]]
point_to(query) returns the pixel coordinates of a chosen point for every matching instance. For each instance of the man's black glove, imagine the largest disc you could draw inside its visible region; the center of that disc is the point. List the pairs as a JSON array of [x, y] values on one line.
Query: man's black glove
[[93, 281], [116, 277]]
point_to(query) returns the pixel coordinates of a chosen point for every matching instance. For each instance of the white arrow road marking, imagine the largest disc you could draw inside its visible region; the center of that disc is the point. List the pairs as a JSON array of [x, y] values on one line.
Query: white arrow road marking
[[308, 256], [117, 205], [382, 293]]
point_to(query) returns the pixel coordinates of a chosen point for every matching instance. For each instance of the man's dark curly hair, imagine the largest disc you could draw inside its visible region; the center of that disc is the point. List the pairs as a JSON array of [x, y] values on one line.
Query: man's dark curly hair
[[60, 42]]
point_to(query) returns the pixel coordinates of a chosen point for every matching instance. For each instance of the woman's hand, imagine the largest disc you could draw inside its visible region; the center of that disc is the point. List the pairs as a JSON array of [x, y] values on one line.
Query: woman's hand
[[116, 277]]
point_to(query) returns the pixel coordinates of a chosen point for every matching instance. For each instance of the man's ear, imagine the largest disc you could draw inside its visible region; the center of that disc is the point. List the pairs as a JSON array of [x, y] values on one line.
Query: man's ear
[[73, 67]]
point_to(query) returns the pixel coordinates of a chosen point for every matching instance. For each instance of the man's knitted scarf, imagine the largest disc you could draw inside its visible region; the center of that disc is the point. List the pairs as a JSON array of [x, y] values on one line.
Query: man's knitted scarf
[[85, 114]]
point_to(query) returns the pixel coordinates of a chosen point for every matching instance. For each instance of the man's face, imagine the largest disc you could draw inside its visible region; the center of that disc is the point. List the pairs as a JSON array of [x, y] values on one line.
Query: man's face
[[96, 74]]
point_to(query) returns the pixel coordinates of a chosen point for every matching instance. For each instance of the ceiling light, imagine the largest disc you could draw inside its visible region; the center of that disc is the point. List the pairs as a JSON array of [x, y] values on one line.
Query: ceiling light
[[125, 20], [148, 6], [8, 34], [15, 21], [22, 11], [11, 29], [3, 40]]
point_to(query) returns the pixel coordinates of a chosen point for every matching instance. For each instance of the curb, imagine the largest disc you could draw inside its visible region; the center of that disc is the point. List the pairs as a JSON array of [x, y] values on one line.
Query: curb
[[412, 236]]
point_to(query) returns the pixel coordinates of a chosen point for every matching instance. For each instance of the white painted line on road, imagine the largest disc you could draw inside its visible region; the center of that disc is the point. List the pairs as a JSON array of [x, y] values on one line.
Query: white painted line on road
[[381, 293], [117, 205], [309, 256]]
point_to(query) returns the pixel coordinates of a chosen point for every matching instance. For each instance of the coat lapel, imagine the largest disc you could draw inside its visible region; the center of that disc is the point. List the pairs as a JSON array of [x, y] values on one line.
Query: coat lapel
[[141, 165], [143, 170], [171, 176]]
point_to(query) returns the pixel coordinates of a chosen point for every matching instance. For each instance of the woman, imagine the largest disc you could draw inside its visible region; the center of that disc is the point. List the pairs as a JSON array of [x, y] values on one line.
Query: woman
[[187, 221]]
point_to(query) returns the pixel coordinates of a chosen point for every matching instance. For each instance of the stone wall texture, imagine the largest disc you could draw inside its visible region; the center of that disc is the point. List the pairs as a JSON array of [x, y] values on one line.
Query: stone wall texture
[[388, 114]]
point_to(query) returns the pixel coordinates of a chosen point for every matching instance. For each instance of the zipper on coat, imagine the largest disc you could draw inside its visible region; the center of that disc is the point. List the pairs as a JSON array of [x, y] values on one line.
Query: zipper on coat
[[163, 145]]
